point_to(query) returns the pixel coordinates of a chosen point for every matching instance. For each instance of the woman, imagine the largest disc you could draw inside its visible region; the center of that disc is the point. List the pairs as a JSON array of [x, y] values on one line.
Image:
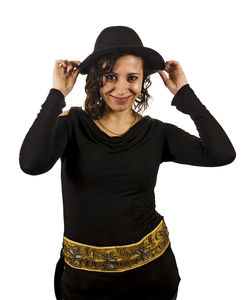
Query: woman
[[115, 244]]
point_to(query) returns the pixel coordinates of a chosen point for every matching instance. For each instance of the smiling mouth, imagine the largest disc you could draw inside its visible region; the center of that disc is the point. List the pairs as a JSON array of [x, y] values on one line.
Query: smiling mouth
[[120, 99]]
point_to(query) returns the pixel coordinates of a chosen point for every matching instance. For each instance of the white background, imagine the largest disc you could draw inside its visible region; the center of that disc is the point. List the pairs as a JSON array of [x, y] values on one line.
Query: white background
[[206, 209]]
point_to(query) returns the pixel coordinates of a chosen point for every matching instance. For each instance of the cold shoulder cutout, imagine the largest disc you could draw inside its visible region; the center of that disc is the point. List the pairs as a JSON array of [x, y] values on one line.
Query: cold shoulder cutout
[[64, 113]]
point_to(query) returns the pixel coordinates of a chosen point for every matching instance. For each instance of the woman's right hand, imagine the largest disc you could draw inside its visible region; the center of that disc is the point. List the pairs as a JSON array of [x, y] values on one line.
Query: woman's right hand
[[64, 75]]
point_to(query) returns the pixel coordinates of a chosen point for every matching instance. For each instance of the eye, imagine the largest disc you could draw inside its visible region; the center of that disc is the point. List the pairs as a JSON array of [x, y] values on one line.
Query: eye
[[107, 77], [134, 77]]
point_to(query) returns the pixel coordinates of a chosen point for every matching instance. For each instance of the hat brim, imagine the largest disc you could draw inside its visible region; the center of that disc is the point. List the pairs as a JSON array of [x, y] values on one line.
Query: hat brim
[[154, 59]]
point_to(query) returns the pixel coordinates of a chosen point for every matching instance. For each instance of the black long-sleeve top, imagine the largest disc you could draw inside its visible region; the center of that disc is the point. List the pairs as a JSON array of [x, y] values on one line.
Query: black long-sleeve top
[[108, 182]]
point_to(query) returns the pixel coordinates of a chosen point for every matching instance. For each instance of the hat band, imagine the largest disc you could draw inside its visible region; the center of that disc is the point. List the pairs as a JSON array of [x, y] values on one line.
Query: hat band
[[117, 258]]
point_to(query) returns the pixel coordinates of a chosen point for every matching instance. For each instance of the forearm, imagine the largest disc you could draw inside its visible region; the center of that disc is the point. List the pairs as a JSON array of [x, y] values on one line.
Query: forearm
[[213, 148], [40, 142]]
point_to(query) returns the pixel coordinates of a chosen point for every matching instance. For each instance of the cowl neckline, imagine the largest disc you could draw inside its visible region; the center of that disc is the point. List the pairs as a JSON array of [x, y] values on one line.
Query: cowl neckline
[[116, 143]]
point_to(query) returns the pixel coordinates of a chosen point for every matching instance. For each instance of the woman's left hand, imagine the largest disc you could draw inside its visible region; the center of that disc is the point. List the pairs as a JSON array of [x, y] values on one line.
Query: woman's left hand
[[176, 77]]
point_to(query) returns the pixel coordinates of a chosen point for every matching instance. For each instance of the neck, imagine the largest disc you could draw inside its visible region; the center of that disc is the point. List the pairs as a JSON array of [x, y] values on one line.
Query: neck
[[118, 117]]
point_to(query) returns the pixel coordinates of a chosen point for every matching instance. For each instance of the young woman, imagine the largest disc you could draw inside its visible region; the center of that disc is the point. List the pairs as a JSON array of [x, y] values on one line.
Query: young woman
[[115, 244]]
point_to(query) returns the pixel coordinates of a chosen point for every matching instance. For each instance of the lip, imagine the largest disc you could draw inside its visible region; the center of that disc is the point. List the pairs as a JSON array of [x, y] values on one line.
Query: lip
[[120, 99]]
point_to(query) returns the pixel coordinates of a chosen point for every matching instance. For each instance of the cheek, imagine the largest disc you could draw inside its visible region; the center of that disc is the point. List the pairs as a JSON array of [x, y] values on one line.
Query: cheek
[[106, 88], [137, 87]]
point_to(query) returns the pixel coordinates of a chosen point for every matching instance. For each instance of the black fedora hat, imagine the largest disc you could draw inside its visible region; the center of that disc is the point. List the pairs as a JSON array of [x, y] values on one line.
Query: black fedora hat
[[118, 39]]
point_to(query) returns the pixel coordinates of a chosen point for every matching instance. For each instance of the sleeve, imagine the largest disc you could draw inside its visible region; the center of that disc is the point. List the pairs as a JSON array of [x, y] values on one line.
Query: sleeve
[[47, 138], [212, 148]]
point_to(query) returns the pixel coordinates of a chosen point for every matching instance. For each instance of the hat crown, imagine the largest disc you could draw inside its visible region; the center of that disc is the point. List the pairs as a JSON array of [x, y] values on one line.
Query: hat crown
[[120, 39], [117, 36]]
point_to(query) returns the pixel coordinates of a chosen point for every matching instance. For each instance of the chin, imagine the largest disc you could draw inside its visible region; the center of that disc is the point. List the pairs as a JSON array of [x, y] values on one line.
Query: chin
[[118, 107]]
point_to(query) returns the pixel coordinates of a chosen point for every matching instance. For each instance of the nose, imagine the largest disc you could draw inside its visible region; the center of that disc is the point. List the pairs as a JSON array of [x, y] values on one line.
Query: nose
[[121, 87]]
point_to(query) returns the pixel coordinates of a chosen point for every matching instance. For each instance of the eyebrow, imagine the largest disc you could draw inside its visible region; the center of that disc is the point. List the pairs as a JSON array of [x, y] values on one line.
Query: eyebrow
[[128, 74]]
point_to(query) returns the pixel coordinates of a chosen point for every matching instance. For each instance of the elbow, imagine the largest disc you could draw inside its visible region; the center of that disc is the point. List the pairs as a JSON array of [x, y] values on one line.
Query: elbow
[[26, 166], [31, 169], [231, 157], [32, 165], [221, 159], [228, 158]]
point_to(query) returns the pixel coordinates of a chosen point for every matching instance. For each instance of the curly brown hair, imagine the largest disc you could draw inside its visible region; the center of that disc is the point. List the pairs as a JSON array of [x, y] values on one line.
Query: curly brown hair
[[94, 81]]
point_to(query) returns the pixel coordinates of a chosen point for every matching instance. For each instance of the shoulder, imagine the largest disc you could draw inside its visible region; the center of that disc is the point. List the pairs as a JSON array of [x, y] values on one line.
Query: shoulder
[[64, 113], [72, 109], [163, 126]]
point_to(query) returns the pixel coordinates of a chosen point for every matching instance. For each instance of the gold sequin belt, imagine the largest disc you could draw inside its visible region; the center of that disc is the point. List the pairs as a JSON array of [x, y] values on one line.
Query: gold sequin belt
[[117, 258]]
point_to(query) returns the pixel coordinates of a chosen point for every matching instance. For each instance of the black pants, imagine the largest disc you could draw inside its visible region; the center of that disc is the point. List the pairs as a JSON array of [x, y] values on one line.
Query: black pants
[[175, 296]]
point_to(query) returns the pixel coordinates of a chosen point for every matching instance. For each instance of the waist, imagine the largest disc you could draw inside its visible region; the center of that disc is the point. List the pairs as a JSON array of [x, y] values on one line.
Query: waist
[[117, 258]]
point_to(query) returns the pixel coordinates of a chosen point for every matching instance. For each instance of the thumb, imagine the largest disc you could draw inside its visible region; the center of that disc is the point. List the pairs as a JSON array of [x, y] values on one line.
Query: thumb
[[76, 73], [163, 76]]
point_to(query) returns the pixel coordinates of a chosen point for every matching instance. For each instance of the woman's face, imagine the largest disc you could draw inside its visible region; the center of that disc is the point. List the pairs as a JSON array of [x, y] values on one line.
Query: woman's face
[[124, 81]]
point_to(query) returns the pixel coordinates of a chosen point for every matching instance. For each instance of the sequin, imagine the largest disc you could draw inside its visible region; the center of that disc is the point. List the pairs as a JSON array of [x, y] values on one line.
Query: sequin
[[75, 258], [117, 258], [108, 260], [142, 252]]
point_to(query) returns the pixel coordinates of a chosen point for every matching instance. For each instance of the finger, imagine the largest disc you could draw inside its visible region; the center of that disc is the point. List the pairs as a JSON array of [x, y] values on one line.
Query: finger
[[76, 70], [68, 66], [60, 61], [172, 63], [75, 73], [163, 75], [71, 65], [60, 64], [167, 68], [75, 63]]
